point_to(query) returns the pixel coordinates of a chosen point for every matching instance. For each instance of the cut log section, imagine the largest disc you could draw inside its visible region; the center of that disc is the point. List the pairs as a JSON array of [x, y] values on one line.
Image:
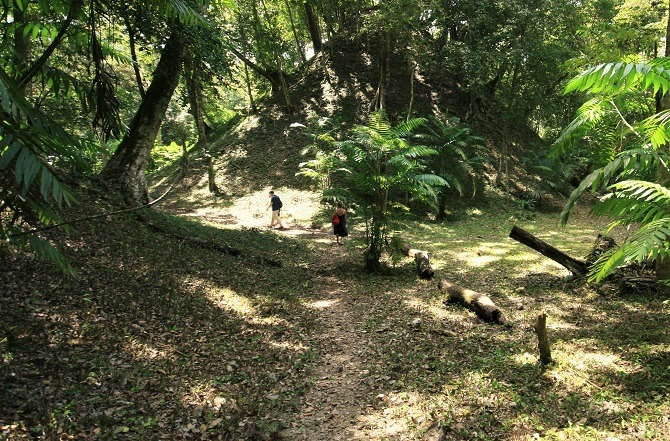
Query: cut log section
[[576, 267], [423, 266], [480, 303]]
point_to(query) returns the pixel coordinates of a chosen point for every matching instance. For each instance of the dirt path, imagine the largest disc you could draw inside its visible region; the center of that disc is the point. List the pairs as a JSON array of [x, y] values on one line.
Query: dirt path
[[334, 406], [339, 405]]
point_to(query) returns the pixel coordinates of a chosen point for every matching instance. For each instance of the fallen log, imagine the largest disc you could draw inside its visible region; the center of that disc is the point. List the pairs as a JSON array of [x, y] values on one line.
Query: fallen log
[[423, 266], [480, 303], [223, 248], [576, 267]]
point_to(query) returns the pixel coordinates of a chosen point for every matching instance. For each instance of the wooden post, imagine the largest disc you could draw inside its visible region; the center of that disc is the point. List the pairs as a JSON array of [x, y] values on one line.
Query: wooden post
[[542, 340]]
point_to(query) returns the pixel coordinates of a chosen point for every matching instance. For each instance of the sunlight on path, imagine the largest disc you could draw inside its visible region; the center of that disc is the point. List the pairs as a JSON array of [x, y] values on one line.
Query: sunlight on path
[[336, 407], [301, 210]]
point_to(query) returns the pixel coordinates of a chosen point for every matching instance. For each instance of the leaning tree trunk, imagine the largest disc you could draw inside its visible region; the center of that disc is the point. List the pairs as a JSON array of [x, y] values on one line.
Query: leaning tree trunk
[[128, 164], [576, 267], [21, 41], [75, 6], [133, 56]]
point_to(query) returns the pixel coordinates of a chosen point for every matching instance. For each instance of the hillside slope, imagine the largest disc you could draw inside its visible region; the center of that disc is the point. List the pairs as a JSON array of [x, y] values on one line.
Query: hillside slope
[[332, 93]]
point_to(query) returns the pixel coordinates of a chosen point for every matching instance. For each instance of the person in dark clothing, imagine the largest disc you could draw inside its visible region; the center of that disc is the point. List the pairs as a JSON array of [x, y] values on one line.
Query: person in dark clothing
[[276, 205], [340, 228]]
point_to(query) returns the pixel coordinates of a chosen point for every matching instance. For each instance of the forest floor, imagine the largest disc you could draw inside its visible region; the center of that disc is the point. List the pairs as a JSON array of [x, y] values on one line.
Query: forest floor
[[163, 338]]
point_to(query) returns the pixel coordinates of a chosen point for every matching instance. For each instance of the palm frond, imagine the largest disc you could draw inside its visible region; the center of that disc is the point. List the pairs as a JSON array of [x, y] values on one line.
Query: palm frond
[[592, 181], [31, 187], [656, 129], [628, 211], [180, 10]]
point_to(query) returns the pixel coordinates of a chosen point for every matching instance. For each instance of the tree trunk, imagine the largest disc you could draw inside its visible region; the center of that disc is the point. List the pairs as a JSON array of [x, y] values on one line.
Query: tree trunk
[[21, 48], [313, 26], [195, 102], [384, 71], [271, 76], [133, 56], [412, 71], [252, 103], [183, 163], [298, 43], [128, 164], [283, 85], [576, 267], [480, 303]]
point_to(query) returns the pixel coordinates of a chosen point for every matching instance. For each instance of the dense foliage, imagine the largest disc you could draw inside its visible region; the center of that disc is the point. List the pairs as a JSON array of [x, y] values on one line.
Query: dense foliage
[[636, 177], [375, 168]]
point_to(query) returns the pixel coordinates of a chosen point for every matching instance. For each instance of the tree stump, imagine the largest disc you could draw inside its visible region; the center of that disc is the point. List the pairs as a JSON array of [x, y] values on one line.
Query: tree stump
[[480, 303], [542, 340]]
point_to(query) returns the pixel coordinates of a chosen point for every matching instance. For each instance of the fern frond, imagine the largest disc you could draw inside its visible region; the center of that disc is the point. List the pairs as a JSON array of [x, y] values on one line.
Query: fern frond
[[418, 151], [612, 78], [431, 180], [650, 242], [407, 128], [589, 115]]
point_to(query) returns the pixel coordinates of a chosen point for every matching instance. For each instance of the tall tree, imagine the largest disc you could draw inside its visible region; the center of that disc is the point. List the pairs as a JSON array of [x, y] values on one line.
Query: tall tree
[[127, 166], [662, 172]]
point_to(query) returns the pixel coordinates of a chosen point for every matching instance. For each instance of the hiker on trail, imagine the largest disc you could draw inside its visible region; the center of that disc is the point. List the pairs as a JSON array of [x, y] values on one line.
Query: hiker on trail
[[276, 205], [340, 224]]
